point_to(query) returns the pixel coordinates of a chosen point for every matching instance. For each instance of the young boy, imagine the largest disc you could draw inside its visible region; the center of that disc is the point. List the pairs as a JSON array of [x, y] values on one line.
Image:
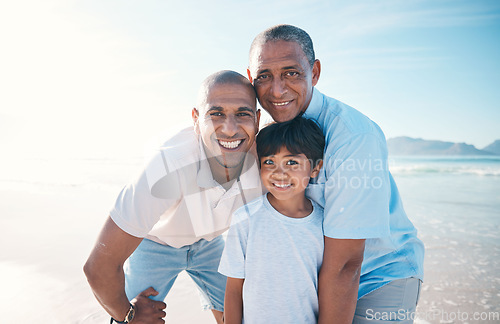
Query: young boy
[[274, 248]]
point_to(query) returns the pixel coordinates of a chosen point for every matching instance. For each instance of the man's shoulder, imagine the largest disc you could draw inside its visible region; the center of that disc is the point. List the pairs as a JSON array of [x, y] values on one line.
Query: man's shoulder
[[343, 123], [181, 145], [176, 157], [355, 120]]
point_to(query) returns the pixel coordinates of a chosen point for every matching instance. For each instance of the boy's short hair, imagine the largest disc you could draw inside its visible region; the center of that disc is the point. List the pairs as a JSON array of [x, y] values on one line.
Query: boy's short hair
[[299, 135]]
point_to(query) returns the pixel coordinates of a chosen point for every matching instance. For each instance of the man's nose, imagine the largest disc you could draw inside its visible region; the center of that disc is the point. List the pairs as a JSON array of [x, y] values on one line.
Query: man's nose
[[230, 126], [278, 87]]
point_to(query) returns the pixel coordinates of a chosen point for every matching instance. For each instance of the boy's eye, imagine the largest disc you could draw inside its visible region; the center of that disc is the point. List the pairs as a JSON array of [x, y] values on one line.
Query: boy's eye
[[292, 162], [268, 162]]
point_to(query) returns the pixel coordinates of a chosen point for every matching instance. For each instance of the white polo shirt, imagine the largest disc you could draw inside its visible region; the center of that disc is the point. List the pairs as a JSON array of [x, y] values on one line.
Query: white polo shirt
[[176, 201]]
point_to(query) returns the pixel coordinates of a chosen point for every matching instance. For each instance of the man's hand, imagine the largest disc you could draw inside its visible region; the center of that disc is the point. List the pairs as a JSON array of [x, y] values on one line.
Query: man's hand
[[148, 311]]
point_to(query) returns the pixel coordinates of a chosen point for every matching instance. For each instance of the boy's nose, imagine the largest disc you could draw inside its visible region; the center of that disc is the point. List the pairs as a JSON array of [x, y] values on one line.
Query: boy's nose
[[279, 173]]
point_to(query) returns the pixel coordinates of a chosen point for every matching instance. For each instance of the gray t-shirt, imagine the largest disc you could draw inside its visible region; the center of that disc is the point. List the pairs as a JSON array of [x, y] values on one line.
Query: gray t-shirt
[[279, 257]]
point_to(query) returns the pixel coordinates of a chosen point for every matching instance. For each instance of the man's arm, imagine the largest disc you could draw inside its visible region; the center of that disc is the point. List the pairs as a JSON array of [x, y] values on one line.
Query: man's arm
[[233, 301], [339, 280], [104, 271]]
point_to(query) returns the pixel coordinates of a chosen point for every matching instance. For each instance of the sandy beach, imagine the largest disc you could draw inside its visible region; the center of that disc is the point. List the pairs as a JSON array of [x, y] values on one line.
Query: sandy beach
[[46, 241], [50, 228]]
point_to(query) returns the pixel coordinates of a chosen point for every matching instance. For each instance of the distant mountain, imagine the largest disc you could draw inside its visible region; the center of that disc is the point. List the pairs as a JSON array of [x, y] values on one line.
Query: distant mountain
[[417, 146], [493, 147]]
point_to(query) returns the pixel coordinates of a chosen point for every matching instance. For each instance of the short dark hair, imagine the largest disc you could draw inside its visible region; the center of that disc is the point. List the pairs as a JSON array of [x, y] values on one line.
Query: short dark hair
[[299, 135], [286, 33]]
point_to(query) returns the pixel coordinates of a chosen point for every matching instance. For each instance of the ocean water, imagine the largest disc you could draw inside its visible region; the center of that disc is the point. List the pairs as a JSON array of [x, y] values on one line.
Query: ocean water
[[453, 201], [455, 204]]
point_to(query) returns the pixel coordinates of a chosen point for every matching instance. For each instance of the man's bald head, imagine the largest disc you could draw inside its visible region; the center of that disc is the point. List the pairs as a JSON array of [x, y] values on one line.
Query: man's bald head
[[225, 77]]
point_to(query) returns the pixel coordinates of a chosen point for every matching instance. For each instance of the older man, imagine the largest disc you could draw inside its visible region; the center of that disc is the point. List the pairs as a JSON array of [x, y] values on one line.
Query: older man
[[170, 219], [373, 260]]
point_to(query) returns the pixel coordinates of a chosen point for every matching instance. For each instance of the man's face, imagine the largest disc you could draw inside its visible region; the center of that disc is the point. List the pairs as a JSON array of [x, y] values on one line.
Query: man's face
[[283, 78], [227, 123]]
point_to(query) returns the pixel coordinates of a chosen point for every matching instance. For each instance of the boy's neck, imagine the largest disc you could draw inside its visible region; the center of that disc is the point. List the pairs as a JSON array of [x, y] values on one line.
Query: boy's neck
[[298, 207]]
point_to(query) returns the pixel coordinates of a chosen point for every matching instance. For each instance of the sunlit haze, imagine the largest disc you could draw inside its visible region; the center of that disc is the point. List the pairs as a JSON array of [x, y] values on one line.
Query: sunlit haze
[[95, 78]]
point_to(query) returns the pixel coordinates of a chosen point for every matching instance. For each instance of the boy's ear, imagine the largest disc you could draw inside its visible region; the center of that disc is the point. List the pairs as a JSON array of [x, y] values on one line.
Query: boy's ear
[[315, 171]]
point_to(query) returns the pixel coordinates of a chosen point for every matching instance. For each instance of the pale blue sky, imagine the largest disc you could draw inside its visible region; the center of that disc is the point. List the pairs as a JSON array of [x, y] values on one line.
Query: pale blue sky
[[100, 78]]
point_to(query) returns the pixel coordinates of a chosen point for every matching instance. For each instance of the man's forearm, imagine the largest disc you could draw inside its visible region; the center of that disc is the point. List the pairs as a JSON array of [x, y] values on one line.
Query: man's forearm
[[339, 280], [104, 268], [233, 301], [109, 290], [338, 292]]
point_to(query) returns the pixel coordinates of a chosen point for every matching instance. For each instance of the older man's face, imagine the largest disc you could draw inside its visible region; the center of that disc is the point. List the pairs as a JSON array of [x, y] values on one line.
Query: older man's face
[[228, 122], [283, 78]]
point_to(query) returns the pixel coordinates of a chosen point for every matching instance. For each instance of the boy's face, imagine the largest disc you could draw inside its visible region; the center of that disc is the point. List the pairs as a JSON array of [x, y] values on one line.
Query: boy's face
[[287, 175]]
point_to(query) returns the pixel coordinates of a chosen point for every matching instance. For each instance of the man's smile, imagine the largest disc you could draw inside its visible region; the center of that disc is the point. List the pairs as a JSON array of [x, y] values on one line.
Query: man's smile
[[280, 104], [230, 145]]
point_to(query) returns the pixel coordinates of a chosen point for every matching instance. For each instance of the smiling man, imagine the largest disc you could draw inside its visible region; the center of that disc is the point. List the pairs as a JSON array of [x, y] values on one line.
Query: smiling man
[[373, 260], [170, 219]]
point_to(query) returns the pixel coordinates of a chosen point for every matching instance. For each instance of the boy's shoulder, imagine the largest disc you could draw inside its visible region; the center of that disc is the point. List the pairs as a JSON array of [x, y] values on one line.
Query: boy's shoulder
[[249, 210]]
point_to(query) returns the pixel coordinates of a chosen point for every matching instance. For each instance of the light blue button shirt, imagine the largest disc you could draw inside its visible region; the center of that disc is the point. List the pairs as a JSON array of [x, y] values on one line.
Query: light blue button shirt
[[359, 195]]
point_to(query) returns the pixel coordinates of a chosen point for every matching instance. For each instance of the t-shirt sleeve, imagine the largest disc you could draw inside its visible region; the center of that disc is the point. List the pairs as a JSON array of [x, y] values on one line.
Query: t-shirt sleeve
[[357, 190], [232, 263], [139, 207]]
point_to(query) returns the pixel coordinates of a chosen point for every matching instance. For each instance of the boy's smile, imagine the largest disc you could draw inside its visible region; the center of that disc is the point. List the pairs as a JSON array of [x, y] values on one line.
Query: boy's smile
[[286, 176]]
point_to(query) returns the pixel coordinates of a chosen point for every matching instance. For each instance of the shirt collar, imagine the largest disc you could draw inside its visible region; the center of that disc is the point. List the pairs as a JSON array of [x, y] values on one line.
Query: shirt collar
[[204, 177], [250, 175], [315, 106]]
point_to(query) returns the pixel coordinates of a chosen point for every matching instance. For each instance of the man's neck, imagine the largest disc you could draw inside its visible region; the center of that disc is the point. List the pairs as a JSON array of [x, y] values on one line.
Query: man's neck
[[223, 175]]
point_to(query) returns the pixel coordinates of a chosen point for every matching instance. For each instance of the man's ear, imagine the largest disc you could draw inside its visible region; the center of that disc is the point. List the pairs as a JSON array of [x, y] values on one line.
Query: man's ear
[[315, 171], [257, 123], [196, 120], [316, 71], [249, 76]]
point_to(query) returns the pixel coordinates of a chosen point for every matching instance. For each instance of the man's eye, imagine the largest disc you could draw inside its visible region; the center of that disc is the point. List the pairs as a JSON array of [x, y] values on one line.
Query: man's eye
[[216, 114], [261, 77], [243, 115], [292, 73]]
